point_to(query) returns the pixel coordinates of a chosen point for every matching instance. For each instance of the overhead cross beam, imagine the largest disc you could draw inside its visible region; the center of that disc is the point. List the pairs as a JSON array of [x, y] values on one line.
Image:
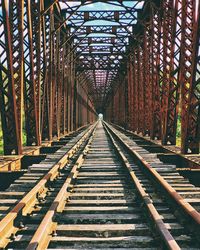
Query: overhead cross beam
[[108, 31]]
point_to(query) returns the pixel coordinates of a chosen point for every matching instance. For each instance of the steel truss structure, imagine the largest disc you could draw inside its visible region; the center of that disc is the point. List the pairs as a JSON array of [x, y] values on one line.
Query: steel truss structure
[[38, 79], [63, 62], [163, 71]]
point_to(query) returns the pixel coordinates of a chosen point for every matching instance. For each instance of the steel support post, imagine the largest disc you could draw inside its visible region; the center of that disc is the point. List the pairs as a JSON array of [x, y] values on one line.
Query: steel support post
[[11, 91], [147, 83], [141, 117], [155, 24], [189, 77], [45, 55], [129, 89], [136, 90], [170, 83], [31, 90]]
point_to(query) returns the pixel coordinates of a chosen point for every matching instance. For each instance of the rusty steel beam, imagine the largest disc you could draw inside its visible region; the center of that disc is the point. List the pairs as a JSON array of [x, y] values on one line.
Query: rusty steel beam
[[170, 83], [11, 93], [133, 92], [46, 124], [62, 92], [129, 97], [147, 83], [44, 11], [155, 24], [37, 75], [163, 74], [189, 77], [31, 89], [141, 90], [136, 90], [16, 25]]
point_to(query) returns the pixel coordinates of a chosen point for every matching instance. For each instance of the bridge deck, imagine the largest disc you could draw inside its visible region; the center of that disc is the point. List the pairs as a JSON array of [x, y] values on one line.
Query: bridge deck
[[100, 190]]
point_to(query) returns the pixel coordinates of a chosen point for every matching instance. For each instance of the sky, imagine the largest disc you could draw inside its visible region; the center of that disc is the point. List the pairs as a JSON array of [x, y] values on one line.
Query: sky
[[102, 6]]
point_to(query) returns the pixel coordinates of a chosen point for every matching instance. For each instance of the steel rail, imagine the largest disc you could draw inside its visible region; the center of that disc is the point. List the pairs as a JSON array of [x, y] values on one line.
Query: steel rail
[[25, 205], [188, 210], [47, 228], [157, 219], [171, 150], [40, 239]]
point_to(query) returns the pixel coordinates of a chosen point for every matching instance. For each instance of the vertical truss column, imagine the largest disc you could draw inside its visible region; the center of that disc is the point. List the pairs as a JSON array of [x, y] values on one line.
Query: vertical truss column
[[136, 90], [116, 107], [47, 30], [74, 105], [62, 90], [141, 117], [65, 86], [31, 89], [11, 91], [16, 24], [122, 96], [190, 77], [147, 83], [58, 98], [87, 111], [69, 92], [36, 8], [129, 101], [50, 74], [155, 53], [132, 93], [170, 83], [73, 92], [56, 78]]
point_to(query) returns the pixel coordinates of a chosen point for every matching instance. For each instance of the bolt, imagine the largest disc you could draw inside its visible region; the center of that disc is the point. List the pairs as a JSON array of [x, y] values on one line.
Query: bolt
[[21, 225], [54, 234], [13, 236]]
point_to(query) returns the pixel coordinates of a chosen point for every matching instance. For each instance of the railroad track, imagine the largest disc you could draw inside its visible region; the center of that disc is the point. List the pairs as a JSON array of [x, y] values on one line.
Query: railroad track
[[24, 196], [112, 194]]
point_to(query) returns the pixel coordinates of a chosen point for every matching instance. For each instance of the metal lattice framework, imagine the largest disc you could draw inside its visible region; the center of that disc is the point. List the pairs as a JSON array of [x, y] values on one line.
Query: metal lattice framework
[[38, 85], [164, 74], [62, 62], [101, 31]]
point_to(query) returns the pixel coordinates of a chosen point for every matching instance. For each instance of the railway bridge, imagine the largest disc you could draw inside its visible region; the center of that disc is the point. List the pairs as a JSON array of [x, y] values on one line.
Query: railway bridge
[[100, 124]]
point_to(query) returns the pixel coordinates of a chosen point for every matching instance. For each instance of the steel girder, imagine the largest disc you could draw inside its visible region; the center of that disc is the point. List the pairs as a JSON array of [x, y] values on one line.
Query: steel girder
[[31, 72], [57, 64], [37, 75], [155, 27], [147, 81], [164, 74], [190, 77], [101, 38], [11, 67], [170, 83]]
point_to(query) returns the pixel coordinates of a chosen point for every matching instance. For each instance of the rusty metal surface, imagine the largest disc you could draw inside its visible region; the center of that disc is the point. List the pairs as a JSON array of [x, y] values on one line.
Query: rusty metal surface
[[62, 62], [26, 204], [112, 185], [38, 76], [166, 85]]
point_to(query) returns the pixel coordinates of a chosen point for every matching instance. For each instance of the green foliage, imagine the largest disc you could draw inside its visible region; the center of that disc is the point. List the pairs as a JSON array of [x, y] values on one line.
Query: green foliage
[[24, 137], [178, 132], [178, 135], [1, 139]]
